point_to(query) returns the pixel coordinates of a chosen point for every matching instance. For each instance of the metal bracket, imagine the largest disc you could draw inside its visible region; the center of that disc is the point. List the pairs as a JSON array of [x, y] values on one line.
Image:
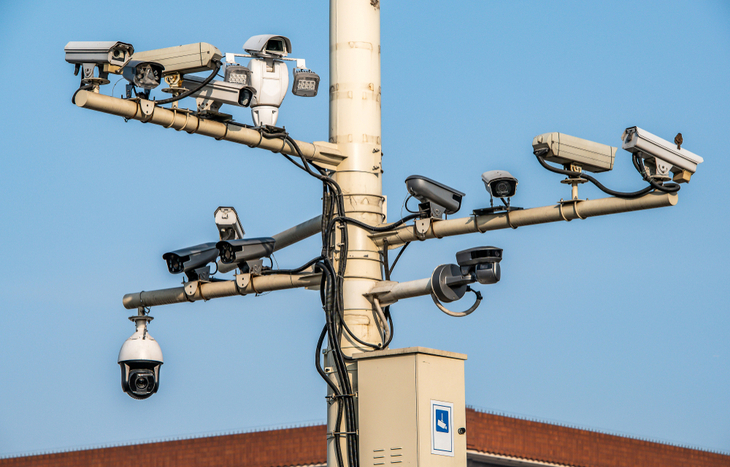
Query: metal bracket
[[421, 226], [575, 203], [242, 281], [380, 288], [147, 108], [191, 288]]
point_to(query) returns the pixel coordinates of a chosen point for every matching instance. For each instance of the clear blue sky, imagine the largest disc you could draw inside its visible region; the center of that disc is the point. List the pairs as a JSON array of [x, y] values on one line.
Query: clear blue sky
[[617, 323]]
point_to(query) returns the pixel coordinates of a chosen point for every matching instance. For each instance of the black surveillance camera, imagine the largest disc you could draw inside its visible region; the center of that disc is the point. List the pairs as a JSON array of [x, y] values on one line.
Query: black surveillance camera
[[436, 198]]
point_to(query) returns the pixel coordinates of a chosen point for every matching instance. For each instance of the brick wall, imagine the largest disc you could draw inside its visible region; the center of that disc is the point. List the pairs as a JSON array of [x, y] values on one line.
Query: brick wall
[[508, 436], [294, 446], [486, 433]]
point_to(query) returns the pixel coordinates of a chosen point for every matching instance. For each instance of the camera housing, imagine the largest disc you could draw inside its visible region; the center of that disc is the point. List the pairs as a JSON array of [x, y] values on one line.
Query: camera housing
[[238, 252], [571, 151], [182, 59], [500, 183], [482, 263], [436, 198], [140, 359], [229, 226], [216, 93], [661, 155], [270, 79], [108, 56], [114, 53], [189, 260], [145, 75], [268, 46]]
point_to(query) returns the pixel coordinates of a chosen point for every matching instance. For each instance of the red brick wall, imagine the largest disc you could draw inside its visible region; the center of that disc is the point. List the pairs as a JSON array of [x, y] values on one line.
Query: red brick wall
[[508, 436], [294, 446], [487, 433]]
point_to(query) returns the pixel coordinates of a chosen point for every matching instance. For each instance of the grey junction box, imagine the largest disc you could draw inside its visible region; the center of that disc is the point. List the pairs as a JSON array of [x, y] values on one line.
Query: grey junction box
[[411, 408]]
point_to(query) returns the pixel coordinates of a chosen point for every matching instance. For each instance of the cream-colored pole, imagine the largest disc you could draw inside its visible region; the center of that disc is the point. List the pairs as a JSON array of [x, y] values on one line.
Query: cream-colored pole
[[355, 129]]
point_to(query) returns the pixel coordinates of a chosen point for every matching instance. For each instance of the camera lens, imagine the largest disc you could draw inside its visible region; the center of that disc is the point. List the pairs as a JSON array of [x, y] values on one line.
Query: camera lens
[[142, 382], [502, 189]]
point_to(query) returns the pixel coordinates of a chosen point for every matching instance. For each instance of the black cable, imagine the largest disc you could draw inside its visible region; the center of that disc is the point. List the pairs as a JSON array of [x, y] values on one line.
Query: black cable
[[390, 271], [652, 184], [571, 173], [372, 228], [185, 94], [405, 205], [292, 271]]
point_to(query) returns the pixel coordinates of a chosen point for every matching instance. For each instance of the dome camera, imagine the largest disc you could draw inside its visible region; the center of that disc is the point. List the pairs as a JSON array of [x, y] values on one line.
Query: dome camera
[[140, 359]]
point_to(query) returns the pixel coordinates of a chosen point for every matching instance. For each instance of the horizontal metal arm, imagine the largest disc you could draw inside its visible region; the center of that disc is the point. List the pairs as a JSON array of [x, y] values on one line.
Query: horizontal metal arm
[[388, 292], [244, 284], [321, 152], [298, 233], [565, 211]]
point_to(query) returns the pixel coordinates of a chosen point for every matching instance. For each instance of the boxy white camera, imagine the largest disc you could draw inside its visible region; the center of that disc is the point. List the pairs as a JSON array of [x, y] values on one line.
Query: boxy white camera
[[571, 151], [216, 93], [500, 183], [183, 59], [661, 155], [108, 56]]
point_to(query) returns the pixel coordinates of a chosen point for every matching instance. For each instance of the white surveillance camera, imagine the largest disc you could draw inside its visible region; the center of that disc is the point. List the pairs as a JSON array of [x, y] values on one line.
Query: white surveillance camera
[[215, 93], [140, 359], [190, 260], [268, 46], [114, 53], [500, 183], [107, 56], [270, 78], [145, 75], [663, 156], [183, 59], [229, 226], [436, 198], [571, 151]]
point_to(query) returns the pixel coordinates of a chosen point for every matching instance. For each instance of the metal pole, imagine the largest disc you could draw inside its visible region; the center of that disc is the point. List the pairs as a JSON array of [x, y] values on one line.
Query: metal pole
[[355, 129], [182, 120], [566, 211], [197, 290]]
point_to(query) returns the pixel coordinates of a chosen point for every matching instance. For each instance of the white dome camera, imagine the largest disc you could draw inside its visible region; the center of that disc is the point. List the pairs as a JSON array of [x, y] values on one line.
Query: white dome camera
[[140, 359]]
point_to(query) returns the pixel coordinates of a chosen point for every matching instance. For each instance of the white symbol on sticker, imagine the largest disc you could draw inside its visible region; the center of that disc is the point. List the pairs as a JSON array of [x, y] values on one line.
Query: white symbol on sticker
[[441, 424]]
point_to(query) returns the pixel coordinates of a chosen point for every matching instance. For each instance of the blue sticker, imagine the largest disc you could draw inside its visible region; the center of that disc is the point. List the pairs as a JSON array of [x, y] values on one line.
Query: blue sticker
[[442, 421]]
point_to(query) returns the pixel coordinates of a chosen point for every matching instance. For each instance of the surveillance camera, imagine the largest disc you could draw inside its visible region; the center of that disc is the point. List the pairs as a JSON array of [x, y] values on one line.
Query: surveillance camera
[[108, 56], [660, 153], [270, 78], [113, 53], [140, 359], [436, 198], [188, 260], [239, 251], [306, 83], [145, 75], [268, 46], [183, 59], [482, 263], [216, 93], [500, 183], [229, 227], [569, 150]]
